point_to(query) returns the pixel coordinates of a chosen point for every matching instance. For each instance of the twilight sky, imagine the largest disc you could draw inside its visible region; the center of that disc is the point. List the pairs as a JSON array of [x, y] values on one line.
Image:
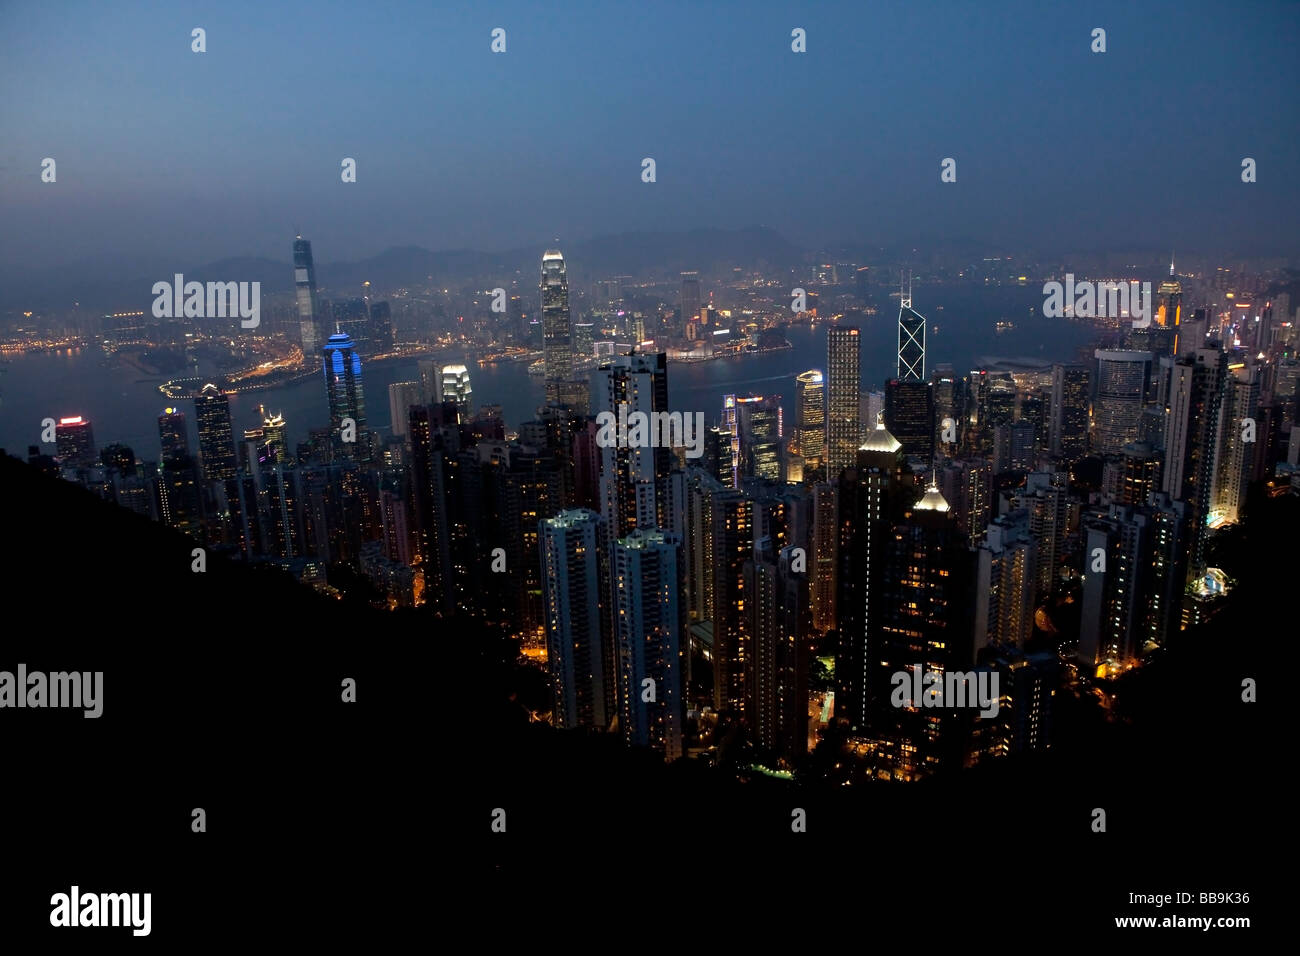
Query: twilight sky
[[169, 156]]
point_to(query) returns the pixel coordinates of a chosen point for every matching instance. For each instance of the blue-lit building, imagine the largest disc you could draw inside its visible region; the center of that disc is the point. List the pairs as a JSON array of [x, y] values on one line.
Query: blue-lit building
[[343, 388]]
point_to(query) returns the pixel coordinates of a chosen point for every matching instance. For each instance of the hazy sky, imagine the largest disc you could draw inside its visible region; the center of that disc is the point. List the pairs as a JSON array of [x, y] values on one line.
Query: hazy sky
[[166, 155]]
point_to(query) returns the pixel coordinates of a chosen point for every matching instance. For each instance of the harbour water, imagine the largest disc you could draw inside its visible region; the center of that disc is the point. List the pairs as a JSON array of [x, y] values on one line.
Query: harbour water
[[123, 403]]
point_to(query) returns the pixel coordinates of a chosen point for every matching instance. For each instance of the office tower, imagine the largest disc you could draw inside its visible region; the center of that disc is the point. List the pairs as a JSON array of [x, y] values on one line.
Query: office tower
[[275, 434], [909, 416], [381, 326], [74, 441], [1000, 402], [967, 486], [342, 368], [730, 520], [810, 417], [717, 455], [943, 385], [1069, 412], [1013, 447], [1236, 455], [571, 599], [216, 437], [557, 331], [1138, 474], [633, 480], [825, 538], [309, 311], [1006, 589], [1169, 302], [401, 396], [173, 434], [870, 497], [843, 386], [278, 495], [690, 296], [456, 388], [762, 437], [731, 437], [651, 637], [430, 381], [1033, 409], [911, 341], [1196, 389], [777, 683], [180, 498], [921, 617], [1123, 380]]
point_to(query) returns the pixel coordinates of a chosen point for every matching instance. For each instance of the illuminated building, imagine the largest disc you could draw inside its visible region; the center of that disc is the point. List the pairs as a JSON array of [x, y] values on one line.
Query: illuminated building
[[843, 387], [1123, 380], [173, 435], [650, 630], [216, 438], [810, 417], [1069, 412], [456, 388], [342, 368], [74, 440], [557, 333], [571, 600], [304, 280]]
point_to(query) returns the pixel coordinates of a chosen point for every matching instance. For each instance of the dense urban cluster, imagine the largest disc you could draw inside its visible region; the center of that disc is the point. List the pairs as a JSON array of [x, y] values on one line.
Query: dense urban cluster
[[755, 600]]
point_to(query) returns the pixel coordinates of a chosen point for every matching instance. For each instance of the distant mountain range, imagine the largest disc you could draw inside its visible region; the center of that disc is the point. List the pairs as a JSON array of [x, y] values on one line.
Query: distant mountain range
[[642, 254]]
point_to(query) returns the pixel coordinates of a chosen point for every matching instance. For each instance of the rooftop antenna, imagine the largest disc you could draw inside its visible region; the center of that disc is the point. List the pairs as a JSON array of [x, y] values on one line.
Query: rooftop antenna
[[1171, 265]]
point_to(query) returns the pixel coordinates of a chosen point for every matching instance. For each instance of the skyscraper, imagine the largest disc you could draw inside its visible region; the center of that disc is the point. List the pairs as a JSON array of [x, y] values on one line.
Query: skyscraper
[[650, 628], [571, 598], [633, 480], [1169, 304], [456, 388], [304, 280], [173, 435], [1123, 378], [871, 496], [342, 368], [777, 683], [216, 437], [909, 415], [557, 332], [810, 416], [1069, 412], [75, 440], [1195, 391], [762, 437], [401, 396], [844, 378], [690, 296], [911, 340]]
